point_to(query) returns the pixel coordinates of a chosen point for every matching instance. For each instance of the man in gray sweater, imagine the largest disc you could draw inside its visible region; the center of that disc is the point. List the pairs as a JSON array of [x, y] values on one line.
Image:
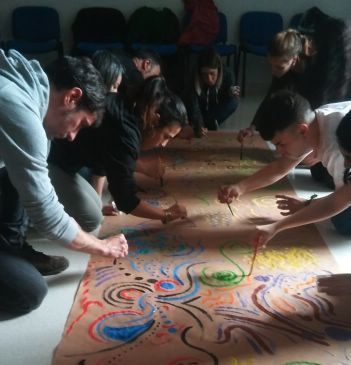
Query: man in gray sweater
[[34, 107]]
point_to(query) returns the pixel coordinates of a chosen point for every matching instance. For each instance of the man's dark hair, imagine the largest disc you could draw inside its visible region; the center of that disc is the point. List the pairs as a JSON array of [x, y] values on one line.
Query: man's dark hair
[[279, 111], [343, 132], [68, 72], [109, 66], [148, 54]]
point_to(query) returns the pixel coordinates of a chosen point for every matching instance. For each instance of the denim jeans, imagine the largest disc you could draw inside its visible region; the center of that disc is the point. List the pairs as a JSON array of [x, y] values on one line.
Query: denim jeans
[[22, 288], [342, 222], [221, 111]]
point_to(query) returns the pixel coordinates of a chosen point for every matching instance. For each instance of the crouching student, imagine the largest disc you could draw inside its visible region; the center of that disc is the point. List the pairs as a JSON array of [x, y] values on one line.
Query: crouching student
[[212, 97], [297, 131], [112, 150]]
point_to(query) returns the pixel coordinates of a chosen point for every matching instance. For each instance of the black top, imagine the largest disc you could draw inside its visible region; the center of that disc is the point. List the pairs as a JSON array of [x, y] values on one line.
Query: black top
[[327, 75], [208, 96], [110, 150]]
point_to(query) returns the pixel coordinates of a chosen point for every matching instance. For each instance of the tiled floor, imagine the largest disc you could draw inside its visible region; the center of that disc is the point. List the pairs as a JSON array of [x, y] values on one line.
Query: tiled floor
[[31, 339]]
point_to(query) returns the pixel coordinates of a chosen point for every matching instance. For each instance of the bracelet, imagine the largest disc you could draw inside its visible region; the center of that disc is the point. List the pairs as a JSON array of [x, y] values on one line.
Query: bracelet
[[309, 201], [167, 217]]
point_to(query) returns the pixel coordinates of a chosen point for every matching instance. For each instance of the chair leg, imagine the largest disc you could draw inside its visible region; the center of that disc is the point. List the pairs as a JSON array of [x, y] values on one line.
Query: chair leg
[[235, 67], [243, 83]]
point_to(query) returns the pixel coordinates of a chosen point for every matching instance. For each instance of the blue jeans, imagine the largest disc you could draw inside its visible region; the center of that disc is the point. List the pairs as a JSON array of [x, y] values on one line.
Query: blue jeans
[[22, 288], [342, 222], [221, 111]]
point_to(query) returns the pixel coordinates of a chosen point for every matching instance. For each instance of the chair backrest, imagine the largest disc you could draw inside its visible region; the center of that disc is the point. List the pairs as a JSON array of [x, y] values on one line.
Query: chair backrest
[[295, 21], [149, 25], [99, 24], [259, 27], [35, 23], [223, 29]]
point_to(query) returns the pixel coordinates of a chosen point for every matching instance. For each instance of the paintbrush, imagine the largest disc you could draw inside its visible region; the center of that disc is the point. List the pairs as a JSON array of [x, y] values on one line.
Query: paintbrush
[[115, 259], [241, 150], [253, 259], [230, 208]]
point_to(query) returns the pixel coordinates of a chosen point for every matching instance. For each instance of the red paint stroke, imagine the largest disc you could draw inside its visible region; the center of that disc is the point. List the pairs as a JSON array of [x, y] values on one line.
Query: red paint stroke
[[248, 330], [84, 304], [85, 309], [92, 326], [158, 285], [253, 259], [317, 312], [129, 293]]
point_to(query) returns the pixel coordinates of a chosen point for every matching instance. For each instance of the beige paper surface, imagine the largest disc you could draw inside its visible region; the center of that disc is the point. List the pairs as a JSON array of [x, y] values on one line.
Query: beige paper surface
[[182, 295]]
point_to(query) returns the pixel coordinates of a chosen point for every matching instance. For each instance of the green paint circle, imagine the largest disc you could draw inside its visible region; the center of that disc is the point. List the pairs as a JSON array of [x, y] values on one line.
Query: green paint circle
[[226, 276]]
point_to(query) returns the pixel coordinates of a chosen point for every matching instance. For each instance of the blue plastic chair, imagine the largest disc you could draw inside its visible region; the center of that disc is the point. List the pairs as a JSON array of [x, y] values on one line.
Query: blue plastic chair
[[220, 44], [35, 29], [257, 28], [97, 28]]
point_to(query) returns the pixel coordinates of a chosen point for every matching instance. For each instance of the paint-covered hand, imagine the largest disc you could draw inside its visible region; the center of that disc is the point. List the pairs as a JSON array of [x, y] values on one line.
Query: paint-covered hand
[[227, 193], [245, 133], [174, 212], [116, 246], [189, 132], [289, 204], [263, 234]]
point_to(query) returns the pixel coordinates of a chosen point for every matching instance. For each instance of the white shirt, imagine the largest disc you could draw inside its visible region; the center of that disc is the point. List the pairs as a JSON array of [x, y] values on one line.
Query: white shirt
[[328, 118]]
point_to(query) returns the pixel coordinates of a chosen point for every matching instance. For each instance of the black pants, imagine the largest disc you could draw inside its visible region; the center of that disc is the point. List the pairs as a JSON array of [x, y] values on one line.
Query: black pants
[[22, 288]]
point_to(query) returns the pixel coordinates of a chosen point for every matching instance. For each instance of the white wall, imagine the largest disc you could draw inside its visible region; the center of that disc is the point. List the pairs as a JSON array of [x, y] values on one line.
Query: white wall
[[232, 8]]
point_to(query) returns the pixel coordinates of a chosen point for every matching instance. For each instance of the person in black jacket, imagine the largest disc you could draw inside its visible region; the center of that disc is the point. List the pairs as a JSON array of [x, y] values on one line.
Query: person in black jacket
[[112, 150], [212, 97]]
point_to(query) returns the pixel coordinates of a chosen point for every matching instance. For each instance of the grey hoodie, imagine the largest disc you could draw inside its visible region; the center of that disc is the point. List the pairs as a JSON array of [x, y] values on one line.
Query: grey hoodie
[[24, 98]]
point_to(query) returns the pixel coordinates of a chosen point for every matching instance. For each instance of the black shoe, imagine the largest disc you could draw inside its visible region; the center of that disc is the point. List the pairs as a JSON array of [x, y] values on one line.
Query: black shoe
[[211, 124], [45, 264]]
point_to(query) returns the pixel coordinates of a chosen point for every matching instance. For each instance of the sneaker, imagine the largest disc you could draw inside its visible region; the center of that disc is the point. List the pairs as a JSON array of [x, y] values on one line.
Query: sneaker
[[45, 264], [212, 124]]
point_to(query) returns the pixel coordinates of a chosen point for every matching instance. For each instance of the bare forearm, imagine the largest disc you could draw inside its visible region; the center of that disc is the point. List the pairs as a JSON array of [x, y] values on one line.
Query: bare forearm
[[267, 175], [318, 210], [98, 183], [88, 243]]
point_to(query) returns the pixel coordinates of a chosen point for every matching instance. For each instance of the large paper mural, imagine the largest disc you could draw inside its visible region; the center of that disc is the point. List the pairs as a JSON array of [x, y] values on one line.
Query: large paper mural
[[183, 295]]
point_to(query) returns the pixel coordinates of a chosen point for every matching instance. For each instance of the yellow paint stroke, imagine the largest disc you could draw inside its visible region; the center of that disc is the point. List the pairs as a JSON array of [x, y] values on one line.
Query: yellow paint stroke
[[264, 202], [293, 258], [235, 361], [283, 305]]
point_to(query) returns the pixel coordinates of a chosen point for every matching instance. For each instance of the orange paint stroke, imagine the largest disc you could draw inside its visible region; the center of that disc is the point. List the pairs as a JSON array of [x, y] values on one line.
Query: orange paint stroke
[[283, 305]]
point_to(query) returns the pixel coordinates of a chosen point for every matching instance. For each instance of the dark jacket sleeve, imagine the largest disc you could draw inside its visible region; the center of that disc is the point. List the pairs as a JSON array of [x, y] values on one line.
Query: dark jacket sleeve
[[194, 111], [121, 139], [225, 92]]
